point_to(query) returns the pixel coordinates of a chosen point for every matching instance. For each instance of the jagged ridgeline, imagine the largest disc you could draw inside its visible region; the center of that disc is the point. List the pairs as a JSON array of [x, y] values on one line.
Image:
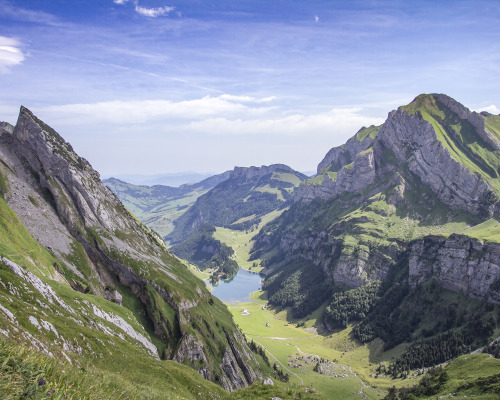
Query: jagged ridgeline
[[238, 203], [84, 282], [398, 231]]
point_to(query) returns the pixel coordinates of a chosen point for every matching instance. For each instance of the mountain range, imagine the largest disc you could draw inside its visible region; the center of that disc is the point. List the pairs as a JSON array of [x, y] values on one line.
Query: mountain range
[[396, 235], [396, 240]]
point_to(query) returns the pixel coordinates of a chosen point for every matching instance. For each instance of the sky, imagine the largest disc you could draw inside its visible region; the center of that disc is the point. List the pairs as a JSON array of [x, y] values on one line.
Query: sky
[[166, 86]]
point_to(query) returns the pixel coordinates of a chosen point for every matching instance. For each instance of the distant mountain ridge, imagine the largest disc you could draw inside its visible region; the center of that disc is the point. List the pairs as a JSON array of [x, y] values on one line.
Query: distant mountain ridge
[[167, 179], [248, 193], [157, 206]]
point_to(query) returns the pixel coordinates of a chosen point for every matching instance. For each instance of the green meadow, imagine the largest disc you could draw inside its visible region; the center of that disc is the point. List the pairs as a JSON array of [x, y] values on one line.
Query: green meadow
[[297, 350]]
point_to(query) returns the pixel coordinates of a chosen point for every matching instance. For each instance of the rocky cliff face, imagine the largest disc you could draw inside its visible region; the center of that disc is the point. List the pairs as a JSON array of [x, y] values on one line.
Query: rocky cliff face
[[342, 155], [103, 250], [429, 150], [414, 141], [247, 173], [458, 263], [351, 270]]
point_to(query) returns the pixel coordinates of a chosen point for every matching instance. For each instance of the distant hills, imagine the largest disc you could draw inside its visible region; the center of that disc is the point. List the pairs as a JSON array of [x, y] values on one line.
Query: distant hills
[[173, 179], [158, 206]]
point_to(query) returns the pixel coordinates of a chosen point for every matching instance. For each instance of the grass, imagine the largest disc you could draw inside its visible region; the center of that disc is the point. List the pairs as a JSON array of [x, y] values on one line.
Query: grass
[[371, 131], [268, 189], [488, 230], [285, 343], [241, 241]]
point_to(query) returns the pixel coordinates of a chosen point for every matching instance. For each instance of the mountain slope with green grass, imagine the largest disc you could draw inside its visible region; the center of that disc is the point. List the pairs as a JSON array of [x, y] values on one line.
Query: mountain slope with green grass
[[398, 233], [85, 283]]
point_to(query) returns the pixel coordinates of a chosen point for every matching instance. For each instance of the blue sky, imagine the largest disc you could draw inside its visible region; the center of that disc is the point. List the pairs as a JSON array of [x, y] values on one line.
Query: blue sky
[[155, 86]]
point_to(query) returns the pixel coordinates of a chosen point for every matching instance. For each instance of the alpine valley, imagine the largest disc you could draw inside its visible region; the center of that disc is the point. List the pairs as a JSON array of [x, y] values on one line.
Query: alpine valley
[[381, 274]]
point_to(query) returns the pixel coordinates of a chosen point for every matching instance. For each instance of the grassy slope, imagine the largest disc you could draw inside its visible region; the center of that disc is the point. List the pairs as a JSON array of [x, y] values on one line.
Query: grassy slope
[[111, 366], [284, 343], [241, 241]]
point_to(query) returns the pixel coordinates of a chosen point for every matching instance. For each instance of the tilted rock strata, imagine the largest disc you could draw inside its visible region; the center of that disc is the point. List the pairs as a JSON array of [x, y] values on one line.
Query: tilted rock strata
[[412, 141]]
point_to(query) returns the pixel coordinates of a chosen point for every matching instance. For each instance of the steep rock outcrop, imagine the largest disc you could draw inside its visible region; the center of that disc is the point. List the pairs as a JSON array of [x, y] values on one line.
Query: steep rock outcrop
[[350, 179], [457, 263], [341, 263], [409, 139], [413, 140], [342, 155], [246, 173]]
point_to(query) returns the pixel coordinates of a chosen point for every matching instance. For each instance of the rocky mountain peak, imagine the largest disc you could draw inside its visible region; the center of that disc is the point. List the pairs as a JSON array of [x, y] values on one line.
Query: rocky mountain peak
[[434, 138], [45, 142], [248, 173]]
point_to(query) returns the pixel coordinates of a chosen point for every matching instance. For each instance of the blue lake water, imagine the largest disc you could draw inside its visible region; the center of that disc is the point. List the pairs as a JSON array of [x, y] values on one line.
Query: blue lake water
[[238, 288]]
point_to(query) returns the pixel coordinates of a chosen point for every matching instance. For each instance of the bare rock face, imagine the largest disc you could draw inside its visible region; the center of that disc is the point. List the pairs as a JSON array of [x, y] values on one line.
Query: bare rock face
[[409, 139], [343, 155], [359, 175], [413, 140], [458, 263], [248, 173], [337, 260]]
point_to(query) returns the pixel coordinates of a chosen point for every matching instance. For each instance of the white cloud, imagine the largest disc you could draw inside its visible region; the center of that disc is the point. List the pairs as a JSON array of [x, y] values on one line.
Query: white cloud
[[153, 12], [493, 109], [147, 12], [342, 122], [215, 116], [10, 54], [247, 99], [316, 18], [141, 111]]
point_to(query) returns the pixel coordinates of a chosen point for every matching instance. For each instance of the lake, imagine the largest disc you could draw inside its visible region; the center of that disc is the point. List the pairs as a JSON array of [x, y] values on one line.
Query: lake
[[239, 288]]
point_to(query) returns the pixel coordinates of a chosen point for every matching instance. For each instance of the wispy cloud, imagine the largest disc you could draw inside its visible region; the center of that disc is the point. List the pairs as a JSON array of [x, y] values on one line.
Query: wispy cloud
[[10, 53], [247, 99], [339, 122], [153, 12], [24, 14], [142, 111], [220, 115]]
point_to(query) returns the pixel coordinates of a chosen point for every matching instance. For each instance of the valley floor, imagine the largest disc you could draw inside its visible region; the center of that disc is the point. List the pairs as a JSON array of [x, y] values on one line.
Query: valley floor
[[350, 369]]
